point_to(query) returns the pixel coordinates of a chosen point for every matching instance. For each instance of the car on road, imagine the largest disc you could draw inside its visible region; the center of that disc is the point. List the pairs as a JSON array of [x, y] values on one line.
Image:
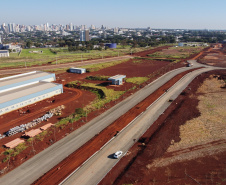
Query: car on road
[[117, 154]]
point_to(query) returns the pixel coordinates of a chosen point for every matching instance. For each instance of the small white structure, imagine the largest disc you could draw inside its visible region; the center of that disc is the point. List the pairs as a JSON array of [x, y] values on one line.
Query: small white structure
[[77, 70], [117, 79], [4, 53]]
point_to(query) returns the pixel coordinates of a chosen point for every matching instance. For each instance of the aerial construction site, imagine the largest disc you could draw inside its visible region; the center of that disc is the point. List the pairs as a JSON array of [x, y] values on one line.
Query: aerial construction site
[[66, 122]]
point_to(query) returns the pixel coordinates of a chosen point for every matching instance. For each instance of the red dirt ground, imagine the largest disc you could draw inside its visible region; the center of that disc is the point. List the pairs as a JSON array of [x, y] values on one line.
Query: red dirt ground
[[147, 52], [61, 171], [77, 99], [82, 101], [154, 143], [214, 56]]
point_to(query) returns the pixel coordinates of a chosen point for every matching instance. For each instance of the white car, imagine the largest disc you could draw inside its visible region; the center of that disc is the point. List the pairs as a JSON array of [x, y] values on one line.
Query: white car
[[117, 154]]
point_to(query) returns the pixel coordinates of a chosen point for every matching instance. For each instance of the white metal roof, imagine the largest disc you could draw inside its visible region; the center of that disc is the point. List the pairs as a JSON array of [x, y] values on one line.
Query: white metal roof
[[4, 51], [117, 77], [77, 68], [22, 77], [24, 91]]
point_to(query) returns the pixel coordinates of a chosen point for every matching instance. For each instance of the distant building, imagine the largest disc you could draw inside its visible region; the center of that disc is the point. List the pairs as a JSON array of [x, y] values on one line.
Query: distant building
[[77, 70], [24, 89], [111, 45], [13, 48], [117, 79], [4, 53], [84, 35]]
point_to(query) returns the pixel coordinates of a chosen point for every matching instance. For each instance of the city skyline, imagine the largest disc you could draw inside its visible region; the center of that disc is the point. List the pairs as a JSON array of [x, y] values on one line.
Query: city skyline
[[131, 14]]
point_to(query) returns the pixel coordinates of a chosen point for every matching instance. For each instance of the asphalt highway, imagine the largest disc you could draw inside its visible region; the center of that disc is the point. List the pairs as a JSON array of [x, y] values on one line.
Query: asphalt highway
[[97, 167], [32, 169]]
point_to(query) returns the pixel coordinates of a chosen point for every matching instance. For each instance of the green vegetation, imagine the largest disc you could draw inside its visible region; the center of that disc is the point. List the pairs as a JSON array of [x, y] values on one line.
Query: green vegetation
[[104, 96], [41, 136], [137, 61], [46, 56], [99, 78], [137, 80], [14, 152]]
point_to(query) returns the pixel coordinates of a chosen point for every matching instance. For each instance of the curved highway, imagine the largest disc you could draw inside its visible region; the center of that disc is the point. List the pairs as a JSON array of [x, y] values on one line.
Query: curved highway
[[32, 169], [96, 168]]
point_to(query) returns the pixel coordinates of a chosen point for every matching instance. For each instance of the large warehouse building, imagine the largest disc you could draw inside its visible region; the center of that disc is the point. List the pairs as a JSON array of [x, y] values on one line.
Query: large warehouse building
[[20, 90]]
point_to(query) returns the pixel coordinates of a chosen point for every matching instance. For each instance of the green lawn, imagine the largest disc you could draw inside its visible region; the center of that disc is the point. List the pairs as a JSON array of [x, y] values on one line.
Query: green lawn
[[62, 56]]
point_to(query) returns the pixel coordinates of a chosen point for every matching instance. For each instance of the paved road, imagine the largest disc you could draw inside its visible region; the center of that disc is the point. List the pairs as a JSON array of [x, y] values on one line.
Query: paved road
[[97, 167], [74, 64], [32, 169]]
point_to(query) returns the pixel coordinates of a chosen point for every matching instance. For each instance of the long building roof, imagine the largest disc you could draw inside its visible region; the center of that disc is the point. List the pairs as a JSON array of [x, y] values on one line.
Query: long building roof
[[8, 82], [116, 77], [16, 94]]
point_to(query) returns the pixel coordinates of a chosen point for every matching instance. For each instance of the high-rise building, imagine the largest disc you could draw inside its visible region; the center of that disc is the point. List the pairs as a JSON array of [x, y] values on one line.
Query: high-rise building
[[83, 27], [71, 27], [115, 30], [84, 35], [11, 27], [92, 27]]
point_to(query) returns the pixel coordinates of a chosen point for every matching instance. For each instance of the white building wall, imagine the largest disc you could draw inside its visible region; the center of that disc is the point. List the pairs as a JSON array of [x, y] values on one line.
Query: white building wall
[[29, 101]]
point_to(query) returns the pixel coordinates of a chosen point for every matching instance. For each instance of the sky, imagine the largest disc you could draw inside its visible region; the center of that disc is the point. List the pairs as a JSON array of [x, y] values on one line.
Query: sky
[[172, 14]]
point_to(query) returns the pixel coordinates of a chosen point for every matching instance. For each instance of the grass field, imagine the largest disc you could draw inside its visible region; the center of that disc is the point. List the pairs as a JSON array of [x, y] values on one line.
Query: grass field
[[210, 126], [27, 58]]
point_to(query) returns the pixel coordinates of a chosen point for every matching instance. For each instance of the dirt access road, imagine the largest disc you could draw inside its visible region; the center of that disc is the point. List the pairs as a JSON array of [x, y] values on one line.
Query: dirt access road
[[67, 65]]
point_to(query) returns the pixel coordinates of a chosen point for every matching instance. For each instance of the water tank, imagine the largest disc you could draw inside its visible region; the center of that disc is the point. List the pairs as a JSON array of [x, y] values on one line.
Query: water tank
[[111, 45], [181, 44]]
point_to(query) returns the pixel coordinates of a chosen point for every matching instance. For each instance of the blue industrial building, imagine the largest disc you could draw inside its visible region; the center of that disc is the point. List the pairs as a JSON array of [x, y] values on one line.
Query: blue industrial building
[[77, 70], [117, 79], [111, 45], [21, 90]]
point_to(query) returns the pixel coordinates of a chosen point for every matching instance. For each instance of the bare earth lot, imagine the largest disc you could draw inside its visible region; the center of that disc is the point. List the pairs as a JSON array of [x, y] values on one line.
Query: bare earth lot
[[72, 99], [186, 145], [215, 57], [132, 68]]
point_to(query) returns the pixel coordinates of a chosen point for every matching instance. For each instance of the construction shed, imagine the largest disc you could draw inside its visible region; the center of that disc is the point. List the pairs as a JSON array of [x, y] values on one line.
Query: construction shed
[[14, 143], [77, 70], [32, 133], [45, 127], [117, 79], [21, 90]]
